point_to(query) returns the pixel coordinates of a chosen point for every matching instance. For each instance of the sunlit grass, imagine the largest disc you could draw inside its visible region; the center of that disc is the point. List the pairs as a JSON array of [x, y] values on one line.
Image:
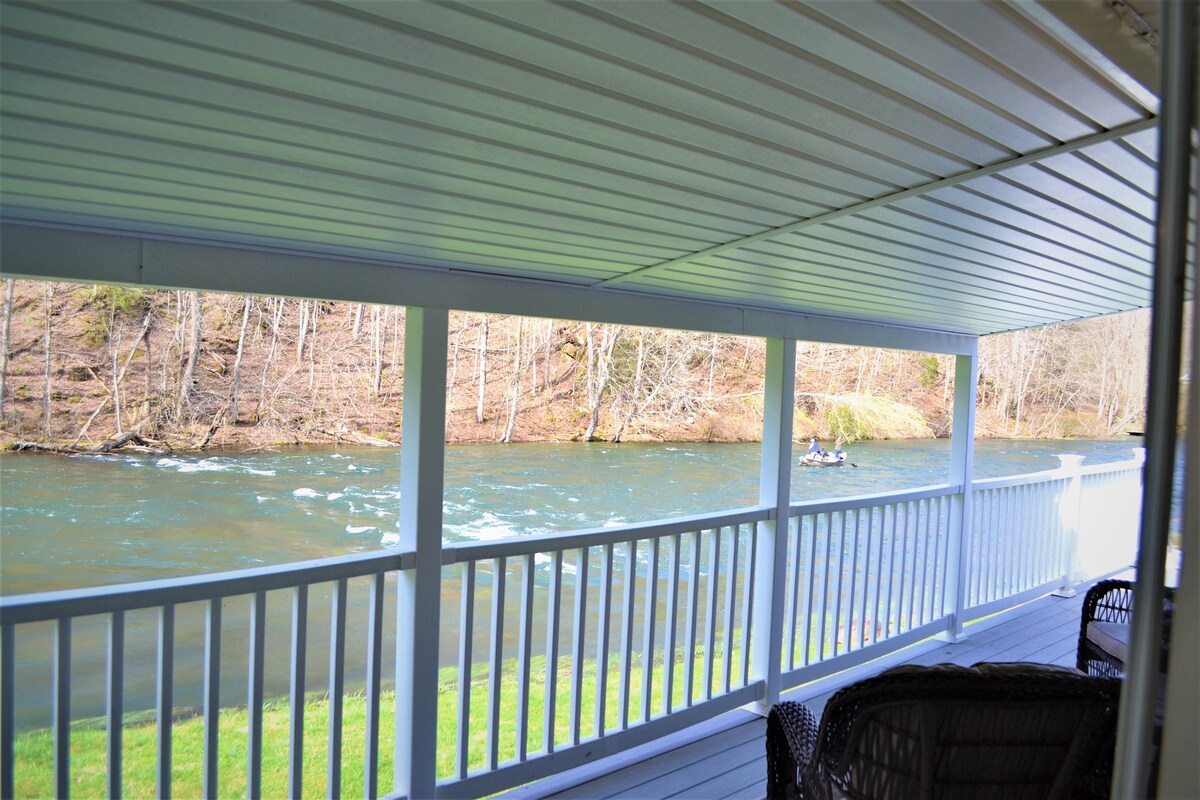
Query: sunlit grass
[[34, 777]]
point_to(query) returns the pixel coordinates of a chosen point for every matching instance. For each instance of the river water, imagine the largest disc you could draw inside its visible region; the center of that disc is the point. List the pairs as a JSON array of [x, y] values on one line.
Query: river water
[[70, 522]]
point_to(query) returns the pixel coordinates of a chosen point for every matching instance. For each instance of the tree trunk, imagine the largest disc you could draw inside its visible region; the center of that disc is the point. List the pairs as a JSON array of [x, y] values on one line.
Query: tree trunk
[[262, 388], [301, 332], [599, 366], [483, 344], [46, 384], [116, 392], [636, 391], [515, 394], [377, 350], [453, 382], [549, 343], [8, 307], [189, 370], [237, 364], [358, 309]]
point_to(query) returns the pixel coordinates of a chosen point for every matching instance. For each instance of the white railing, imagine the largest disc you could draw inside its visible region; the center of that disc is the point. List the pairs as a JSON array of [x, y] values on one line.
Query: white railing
[[164, 597], [561, 649], [864, 575], [622, 635]]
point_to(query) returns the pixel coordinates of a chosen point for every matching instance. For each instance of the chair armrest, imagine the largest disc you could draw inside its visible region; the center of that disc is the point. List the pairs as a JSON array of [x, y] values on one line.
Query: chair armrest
[[791, 742]]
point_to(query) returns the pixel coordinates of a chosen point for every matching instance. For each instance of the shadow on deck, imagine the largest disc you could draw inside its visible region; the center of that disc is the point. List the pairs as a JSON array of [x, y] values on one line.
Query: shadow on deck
[[726, 757]]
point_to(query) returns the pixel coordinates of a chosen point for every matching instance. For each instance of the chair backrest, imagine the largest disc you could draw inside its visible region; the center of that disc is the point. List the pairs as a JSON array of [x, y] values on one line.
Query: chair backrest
[[1006, 731]]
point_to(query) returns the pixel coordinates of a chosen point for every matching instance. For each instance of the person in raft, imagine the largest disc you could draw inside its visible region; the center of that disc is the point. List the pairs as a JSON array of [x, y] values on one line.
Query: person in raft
[[813, 447], [837, 450]]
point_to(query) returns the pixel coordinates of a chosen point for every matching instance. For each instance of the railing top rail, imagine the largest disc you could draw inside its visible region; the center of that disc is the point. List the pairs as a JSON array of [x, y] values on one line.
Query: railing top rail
[[870, 500], [1057, 473], [1027, 479], [39, 606], [459, 552]]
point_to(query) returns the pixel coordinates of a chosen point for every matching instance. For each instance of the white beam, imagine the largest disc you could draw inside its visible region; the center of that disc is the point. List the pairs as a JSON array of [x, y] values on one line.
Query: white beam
[[55, 253], [774, 489], [962, 461], [422, 460]]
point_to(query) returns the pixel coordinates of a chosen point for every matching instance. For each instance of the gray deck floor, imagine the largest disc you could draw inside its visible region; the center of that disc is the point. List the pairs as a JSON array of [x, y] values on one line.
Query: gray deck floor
[[725, 758]]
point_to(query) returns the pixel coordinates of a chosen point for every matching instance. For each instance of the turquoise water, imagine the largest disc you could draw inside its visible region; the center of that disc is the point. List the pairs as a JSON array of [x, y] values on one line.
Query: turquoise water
[[70, 522], [80, 521]]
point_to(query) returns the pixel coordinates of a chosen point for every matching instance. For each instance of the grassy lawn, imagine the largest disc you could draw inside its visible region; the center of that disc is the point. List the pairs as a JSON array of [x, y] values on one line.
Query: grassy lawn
[[34, 749]]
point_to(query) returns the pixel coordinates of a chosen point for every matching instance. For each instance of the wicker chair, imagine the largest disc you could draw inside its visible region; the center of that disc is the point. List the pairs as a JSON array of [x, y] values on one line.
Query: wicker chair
[[1104, 627], [987, 732]]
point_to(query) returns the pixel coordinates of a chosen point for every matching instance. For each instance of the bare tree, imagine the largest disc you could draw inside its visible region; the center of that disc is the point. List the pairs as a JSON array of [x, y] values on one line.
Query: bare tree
[[197, 339], [49, 298], [237, 363], [599, 363], [8, 307], [482, 355], [514, 397]]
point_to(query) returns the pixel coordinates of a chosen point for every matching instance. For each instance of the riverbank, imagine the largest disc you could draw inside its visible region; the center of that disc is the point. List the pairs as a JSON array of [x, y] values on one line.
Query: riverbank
[[83, 365]]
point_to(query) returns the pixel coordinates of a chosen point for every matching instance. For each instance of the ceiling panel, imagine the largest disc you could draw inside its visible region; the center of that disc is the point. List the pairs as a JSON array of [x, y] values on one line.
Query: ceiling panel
[[947, 167]]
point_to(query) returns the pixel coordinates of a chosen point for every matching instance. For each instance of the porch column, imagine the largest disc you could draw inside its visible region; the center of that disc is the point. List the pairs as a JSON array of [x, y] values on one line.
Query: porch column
[[774, 490], [422, 455], [962, 460]]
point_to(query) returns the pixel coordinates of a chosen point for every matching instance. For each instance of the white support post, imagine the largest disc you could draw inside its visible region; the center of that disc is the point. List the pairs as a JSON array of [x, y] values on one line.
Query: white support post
[[422, 456], [962, 461], [1068, 514], [775, 481]]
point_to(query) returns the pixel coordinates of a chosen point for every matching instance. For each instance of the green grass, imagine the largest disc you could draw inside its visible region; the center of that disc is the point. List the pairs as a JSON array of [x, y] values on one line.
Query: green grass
[[33, 773]]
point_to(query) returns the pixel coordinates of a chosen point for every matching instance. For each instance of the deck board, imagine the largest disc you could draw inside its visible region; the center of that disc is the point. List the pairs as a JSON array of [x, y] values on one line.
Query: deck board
[[732, 762]]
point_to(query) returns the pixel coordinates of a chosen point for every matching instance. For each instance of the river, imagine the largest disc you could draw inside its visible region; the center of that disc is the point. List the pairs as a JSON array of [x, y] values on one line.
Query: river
[[71, 522]]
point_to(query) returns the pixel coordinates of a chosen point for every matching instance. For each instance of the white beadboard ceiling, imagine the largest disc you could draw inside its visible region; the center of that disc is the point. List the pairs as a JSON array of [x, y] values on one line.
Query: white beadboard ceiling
[[959, 167]]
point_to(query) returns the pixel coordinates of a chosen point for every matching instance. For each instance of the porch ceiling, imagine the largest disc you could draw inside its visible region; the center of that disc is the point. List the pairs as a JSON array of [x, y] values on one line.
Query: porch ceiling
[[955, 167]]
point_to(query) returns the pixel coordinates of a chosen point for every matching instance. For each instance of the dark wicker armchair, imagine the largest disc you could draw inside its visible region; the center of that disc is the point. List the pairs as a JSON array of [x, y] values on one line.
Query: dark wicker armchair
[[991, 731], [1104, 627]]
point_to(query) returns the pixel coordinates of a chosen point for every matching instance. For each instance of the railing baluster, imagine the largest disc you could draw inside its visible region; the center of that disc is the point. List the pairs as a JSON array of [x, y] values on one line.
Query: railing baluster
[[212, 697], [922, 563], [791, 615], [374, 685], [839, 577], [730, 603], [296, 682], [876, 512], [906, 587], [496, 660], [993, 542], [115, 701], [693, 610], [466, 639], [810, 584], [8, 712], [62, 708], [863, 537], [578, 644], [853, 630], [165, 699], [553, 612], [941, 555], [710, 616], [627, 602], [826, 574], [889, 530], [603, 631], [524, 655], [254, 694], [672, 623], [649, 620], [337, 683], [748, 596]]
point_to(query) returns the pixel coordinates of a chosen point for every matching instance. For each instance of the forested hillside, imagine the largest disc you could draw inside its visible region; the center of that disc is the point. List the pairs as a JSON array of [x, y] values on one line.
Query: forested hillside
[[85, 364]]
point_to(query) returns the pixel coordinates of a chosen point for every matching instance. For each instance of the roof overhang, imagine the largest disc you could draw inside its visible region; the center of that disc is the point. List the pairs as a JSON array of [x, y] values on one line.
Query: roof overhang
[[908, 175]]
